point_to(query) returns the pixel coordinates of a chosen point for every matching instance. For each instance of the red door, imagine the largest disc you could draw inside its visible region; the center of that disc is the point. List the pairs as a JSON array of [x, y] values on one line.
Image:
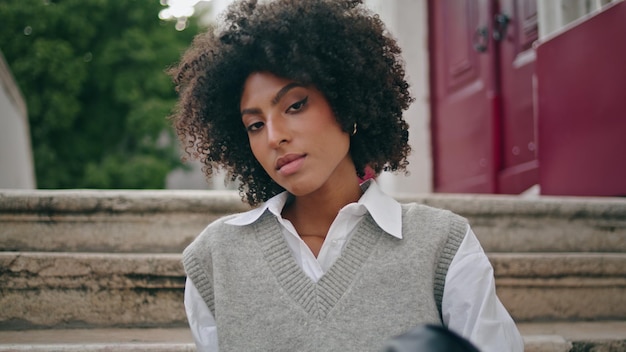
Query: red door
[[463, 91], [481, 85], [519, 166]]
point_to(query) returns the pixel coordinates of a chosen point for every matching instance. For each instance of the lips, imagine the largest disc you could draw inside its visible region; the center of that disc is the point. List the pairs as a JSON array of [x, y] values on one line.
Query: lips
[[289, 160]]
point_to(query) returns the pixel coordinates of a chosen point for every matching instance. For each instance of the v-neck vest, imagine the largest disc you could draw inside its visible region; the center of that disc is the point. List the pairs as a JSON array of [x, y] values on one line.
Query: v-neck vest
[[379, 287]]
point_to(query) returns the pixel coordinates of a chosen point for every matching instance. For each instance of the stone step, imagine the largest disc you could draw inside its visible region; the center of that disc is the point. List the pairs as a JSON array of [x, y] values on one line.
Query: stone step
[[98, 340], [506, 223], [582, 336], [538, 337], [561, 286], [166, 220], [61, 290], [158, 221], [101, 347]]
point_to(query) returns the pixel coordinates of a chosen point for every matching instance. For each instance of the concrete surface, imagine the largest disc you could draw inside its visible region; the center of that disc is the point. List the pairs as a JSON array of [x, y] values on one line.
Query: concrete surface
[[44, 289], [165, 221], [87, 270], [538, 337]]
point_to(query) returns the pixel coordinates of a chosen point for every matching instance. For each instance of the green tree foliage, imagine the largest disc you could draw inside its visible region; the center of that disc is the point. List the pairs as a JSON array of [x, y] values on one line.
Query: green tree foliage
[[93, 76]]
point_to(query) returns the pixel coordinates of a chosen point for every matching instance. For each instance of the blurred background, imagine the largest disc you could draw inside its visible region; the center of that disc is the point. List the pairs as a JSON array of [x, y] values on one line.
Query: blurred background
[[85, 96], [91, 76]]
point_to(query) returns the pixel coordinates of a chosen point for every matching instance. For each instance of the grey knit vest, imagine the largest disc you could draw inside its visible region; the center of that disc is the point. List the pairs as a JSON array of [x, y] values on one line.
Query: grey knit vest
[[379, 287]]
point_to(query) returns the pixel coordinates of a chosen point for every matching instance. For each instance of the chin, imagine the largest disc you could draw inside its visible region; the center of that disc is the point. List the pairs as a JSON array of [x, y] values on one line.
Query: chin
[[300, 189]]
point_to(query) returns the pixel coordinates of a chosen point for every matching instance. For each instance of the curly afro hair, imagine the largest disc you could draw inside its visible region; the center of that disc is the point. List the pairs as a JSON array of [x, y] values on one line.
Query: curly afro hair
[[336, 46]]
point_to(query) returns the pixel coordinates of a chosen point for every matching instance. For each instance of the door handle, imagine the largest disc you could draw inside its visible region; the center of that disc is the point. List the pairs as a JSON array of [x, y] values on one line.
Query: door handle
[[500, 25], [481, 39], [481, 35]]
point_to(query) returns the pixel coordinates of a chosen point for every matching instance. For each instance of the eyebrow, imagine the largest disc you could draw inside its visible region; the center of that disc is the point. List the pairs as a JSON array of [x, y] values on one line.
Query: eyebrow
[[279, 95]]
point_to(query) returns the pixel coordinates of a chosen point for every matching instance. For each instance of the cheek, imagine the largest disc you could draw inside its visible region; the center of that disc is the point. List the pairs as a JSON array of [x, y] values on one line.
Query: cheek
[[336, 137], [255, 149], [346, 144], [258, 152]]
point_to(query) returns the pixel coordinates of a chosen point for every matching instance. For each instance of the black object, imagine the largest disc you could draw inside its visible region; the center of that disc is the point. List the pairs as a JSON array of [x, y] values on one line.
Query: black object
[[429, 338]]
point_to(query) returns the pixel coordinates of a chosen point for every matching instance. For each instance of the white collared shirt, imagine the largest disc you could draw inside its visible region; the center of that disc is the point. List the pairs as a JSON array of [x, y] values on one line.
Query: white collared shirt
[[469, 306]]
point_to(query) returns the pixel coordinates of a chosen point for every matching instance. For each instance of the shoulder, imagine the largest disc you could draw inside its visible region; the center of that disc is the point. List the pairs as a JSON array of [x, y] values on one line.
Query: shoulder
[[439, 225], [216, 232], [415, 212]]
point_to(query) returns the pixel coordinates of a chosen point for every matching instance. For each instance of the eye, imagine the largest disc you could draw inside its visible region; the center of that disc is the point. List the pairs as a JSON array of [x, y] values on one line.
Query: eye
[[255, 126], [297, 106]]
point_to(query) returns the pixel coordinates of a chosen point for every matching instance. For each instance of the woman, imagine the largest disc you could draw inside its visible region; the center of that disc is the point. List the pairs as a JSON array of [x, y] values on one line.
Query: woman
[[295, 100]]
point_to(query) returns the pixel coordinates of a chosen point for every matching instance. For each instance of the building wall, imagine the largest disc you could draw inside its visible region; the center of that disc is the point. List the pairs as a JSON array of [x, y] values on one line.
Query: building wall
[[554, 15], [407, 21], [16, 159]]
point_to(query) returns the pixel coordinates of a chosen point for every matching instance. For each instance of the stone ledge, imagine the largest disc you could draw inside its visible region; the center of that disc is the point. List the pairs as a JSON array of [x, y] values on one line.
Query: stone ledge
[[91, 201], [546, 343], [100, 340], [610, 330], [172, 231], [122, 270], [78, 201], [561, 286], [84, 308], [124, 232], [94, 271], [96, 347], [538, 337], [566, 206], [560, 265], [157, 221], [90, 290], [106, 289], [506, 223], [166, 221]]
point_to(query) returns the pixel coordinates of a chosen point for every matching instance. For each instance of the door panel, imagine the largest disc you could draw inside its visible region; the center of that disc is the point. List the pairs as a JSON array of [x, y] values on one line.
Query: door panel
[[519, 168], [483, 126], [462, 79]]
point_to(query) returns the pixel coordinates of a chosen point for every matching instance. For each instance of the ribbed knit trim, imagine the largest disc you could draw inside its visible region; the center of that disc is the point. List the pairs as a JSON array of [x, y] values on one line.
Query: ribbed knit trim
[[194, 270], [317, 299], [458, 228]]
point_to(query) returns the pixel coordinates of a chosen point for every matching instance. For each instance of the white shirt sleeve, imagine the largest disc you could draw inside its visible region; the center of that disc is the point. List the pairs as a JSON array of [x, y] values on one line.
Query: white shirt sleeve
[[470, 306], [201, 320]]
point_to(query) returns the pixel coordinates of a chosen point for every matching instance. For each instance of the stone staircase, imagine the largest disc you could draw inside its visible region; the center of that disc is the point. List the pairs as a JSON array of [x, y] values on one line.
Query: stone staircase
[[85, 270]]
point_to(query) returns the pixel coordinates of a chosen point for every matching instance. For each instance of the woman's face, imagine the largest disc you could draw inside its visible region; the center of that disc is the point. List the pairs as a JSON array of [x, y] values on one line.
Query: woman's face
[[294, 135]]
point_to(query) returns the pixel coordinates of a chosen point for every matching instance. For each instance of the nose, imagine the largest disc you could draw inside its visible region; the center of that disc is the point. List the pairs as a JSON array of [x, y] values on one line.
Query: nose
[[277, 131]]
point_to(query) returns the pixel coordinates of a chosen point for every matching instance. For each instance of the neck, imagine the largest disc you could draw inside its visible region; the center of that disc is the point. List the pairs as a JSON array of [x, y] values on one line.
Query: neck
[[314, 213]]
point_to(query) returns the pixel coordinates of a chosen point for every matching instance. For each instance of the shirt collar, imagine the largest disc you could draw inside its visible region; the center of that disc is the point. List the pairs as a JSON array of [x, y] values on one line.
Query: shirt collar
[[386, 211], [274, 205]]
